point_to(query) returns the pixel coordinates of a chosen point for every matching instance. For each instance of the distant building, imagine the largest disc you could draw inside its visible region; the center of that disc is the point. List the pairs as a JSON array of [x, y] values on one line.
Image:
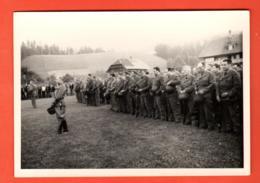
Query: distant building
[[230, 46], [128, 64]]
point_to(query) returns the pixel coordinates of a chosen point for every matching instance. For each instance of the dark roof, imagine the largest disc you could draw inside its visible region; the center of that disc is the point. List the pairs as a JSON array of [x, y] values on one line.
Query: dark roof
[[218, 47]]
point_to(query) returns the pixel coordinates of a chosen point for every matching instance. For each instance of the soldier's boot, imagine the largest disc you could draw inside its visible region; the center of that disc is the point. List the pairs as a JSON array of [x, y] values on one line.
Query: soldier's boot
[[202, 124], [211, 127], [136, 113], [187, 120], [184, 120], [65, 126]]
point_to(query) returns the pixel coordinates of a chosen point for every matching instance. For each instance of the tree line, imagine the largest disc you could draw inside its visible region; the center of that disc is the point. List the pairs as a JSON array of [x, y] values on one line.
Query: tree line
[[29, 48], [179, 55]]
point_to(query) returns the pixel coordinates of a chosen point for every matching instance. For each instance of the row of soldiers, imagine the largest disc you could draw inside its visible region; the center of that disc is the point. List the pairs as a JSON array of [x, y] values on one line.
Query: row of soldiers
[[90, 91], [209, 97]]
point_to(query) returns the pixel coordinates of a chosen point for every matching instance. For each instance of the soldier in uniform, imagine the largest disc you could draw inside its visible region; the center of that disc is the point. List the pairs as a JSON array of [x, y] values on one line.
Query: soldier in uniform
[[143, 86], [98, 85], [216, 70], [137, 99], [91, 90], [228, 94], [130, 96], [32, 88], [114, 93], [111, 91], [60, 107], [121, 93], [203, 84], [172, 80], [77, 91], [157, 89], [185, 94], [107, 87]]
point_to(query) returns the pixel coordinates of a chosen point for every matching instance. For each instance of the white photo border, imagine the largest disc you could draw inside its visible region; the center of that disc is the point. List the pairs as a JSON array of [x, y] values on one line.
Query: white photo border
[[19, 172]]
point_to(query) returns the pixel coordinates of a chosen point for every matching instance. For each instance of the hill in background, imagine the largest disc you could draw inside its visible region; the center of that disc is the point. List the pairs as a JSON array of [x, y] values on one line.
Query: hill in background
[[79, 64]]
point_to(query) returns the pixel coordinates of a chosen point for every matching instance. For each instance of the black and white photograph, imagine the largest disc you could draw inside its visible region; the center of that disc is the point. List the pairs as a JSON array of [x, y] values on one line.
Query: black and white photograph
[[131, 93]]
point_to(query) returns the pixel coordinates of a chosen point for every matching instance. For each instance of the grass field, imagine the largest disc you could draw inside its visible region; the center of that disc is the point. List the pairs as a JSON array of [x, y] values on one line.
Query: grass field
[[100, 138]]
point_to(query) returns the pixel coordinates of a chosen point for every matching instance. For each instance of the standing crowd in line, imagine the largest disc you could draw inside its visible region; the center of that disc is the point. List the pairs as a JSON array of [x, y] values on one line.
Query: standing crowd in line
[[209, 97]]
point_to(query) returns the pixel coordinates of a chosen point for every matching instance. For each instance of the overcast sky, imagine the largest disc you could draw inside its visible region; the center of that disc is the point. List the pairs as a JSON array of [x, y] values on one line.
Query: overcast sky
[[135, 31]]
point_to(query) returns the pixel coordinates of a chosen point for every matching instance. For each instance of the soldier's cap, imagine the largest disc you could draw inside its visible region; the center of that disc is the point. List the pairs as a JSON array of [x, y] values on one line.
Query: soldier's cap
[[217, 65], [89, 74], [157, 68], [171, 68], [229, 61], [113, 74]]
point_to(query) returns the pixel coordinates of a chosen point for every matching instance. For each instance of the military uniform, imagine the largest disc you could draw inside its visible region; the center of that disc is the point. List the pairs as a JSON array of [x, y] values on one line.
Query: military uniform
[[107, 87], [143, 86], [203, 83], [60, 108], [98, 85], [77, 91], [111, 90], [172, 79], [228, 89], [159, 99], [137, 98], [114, 93], [185, 93], [130, 95], [91, 88], [216, 105], [121, 94], [82, 93]]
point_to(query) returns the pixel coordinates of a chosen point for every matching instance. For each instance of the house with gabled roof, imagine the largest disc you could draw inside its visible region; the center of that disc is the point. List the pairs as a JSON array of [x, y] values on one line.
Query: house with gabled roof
[[128, 64], [226, 47]]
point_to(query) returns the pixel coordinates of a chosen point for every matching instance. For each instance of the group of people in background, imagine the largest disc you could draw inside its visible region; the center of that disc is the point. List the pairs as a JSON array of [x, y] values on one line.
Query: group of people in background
[[207, 96], [44, 90]]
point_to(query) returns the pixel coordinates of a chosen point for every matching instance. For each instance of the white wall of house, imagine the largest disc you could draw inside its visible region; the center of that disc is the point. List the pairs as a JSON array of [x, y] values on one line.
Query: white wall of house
[[235, 59]]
